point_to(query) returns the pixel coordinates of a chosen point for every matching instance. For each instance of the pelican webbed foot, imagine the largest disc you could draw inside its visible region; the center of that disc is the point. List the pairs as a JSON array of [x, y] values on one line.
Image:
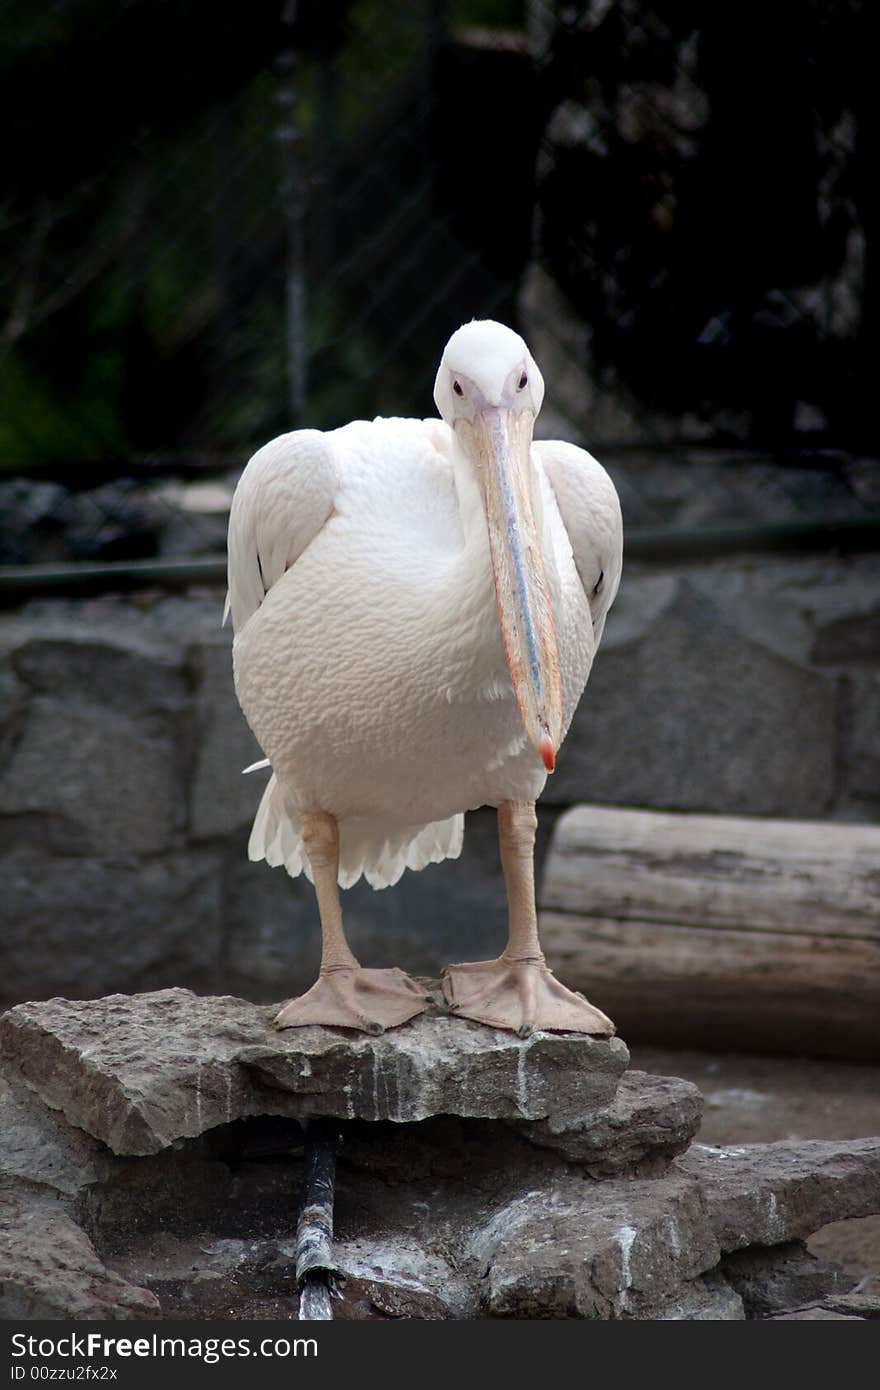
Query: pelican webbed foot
[[522, 995], [356, 997]]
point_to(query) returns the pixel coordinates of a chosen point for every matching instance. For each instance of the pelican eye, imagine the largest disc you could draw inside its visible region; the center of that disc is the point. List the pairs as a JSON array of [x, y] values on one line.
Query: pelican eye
[[522, 382], [456, 386]]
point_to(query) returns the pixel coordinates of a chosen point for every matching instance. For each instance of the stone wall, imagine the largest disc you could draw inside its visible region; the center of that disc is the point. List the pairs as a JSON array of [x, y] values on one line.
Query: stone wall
[[748, 686]]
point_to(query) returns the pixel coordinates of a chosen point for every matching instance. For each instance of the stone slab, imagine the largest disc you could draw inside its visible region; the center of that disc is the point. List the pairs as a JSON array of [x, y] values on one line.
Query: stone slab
[[768, 1194], [650, 1119], [637, 1249], [108, 663], [139, 1072], [438, 1065], [614, 1250], [136, 1071]]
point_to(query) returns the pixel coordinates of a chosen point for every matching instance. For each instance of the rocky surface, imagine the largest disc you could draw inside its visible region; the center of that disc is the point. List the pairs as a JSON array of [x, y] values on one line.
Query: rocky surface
[[37, 1145], [49, 1268], [124, 518], [596, 1251], [136, 1072], [857, 1302], [140, 1072], [635, 1248], [492, 1229], [650, 1118], [441, 1065], [779, 1276], [769, 1194], [583, 1212]]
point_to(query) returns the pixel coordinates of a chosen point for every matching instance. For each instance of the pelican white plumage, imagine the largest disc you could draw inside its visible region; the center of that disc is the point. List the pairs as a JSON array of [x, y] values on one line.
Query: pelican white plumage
[[416, 607]]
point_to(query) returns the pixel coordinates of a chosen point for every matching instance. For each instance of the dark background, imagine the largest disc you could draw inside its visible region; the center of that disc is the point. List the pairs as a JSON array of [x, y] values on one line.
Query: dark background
[[219, 222]]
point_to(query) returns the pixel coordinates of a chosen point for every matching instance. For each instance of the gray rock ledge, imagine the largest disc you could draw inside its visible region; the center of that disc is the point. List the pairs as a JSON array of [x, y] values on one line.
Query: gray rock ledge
[[649, 1121], [141, 1071], [769, 1194]]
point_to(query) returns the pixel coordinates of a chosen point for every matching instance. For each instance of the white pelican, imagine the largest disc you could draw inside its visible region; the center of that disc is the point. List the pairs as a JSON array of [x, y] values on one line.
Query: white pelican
[[416, 607]]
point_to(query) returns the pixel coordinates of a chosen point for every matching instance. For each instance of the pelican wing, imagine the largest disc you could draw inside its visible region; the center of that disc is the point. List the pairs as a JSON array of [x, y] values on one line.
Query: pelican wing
[[590, 511], [283, 498]]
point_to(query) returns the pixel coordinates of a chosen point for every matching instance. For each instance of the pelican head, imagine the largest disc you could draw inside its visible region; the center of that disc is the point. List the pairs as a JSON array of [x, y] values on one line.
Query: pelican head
[[489, 390]]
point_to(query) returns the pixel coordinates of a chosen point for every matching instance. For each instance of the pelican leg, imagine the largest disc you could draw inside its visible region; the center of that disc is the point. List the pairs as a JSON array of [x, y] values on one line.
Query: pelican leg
[[345, 995], [518, 990]]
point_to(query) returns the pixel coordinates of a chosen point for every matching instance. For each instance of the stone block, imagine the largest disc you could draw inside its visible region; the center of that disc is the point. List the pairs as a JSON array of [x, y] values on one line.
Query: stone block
[[13, 700], [96, 761], [271, 929], [102, 783], [81, 926], [686, 710], [615, 1250], [136, 1072], [438, 1065], [119, 667], [221, 801]]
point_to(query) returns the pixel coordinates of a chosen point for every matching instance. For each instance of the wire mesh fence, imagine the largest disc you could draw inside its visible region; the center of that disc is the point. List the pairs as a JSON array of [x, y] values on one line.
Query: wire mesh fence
[[218, 225]]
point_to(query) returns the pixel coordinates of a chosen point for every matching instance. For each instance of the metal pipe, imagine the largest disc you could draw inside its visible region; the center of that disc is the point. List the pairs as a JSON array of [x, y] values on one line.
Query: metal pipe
[[786, 537], [21, 582], [317, 1276]]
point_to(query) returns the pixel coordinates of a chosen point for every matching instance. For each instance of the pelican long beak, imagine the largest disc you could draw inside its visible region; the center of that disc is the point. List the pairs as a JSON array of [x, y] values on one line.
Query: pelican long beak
[[501, 440]]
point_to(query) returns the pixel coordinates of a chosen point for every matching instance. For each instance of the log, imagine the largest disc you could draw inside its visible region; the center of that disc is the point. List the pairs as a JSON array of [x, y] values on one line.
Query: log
[[719, 931]]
